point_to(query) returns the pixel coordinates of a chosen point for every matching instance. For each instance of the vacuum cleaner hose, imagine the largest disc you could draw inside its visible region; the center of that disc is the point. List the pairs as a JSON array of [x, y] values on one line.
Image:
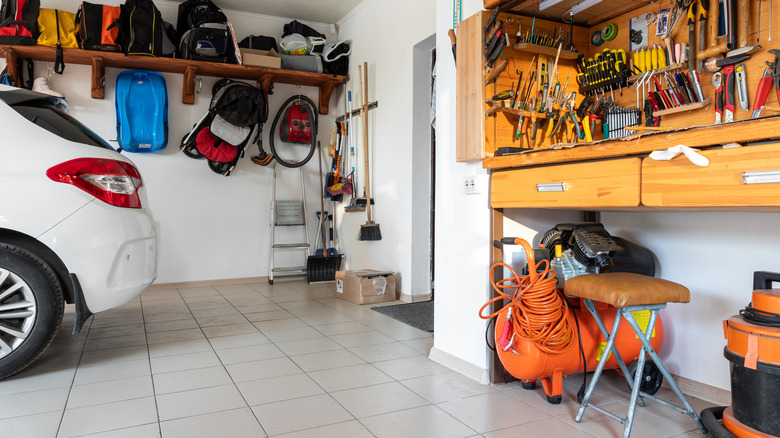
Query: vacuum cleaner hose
[[710, 417], [310, 109]]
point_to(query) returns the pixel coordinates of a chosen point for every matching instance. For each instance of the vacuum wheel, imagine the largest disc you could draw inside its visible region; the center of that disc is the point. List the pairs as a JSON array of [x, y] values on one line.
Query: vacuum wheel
[[652, 379]]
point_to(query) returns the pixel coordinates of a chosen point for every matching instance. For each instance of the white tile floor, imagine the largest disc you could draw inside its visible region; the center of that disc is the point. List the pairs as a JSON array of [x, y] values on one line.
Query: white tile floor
[[290, 360]]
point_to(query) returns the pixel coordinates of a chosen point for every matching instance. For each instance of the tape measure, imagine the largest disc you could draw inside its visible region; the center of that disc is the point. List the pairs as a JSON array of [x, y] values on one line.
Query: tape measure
[[609, 32], [596, 39]]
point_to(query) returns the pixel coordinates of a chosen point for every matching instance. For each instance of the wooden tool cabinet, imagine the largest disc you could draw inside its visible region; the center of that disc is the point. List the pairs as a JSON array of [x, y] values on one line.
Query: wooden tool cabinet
[[614, 174]]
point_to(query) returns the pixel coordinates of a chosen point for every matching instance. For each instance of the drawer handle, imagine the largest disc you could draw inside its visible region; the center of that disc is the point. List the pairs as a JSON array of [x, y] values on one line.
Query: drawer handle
[[550, 187], [761, 177]]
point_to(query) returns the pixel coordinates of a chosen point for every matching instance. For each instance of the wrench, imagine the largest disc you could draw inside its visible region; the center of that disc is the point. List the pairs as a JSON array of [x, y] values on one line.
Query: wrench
[[717, 82]]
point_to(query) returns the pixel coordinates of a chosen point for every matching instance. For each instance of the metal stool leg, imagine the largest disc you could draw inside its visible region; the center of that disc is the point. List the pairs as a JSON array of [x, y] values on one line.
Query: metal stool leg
[[592, 309], [599, 369], [654, 356]]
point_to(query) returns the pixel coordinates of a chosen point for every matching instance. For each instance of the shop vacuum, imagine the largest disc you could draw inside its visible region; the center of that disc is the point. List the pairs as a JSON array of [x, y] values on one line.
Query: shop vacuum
[[753, 350], [540, 334]]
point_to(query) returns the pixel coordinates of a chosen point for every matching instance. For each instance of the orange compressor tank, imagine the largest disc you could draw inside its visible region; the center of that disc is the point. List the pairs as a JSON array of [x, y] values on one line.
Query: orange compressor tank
[[527, 362]]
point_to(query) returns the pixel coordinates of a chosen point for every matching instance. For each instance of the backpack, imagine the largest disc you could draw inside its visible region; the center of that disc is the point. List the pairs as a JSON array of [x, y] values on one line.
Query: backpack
[[57, 29], [207, 43], [19, 22], [141, 28], [98, 27], [204, 32], [195, 13]]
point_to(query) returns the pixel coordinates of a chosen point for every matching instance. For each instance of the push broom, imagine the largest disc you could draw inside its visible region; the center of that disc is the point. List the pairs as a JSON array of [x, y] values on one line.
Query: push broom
[[369, 230]]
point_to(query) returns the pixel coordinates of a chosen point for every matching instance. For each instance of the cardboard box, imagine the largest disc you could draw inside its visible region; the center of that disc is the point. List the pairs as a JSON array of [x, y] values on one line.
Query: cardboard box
[[366, 286], [261, 58]]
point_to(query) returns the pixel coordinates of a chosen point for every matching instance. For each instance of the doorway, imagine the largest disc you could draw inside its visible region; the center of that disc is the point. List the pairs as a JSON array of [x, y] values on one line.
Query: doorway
[[423, 168]]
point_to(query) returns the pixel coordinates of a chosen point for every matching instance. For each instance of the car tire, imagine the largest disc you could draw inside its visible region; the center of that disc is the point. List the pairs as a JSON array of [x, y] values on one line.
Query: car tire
[[31, 307]]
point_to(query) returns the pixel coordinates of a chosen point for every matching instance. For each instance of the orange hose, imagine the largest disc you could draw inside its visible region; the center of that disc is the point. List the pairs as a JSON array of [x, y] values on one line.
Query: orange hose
[[538, 311]]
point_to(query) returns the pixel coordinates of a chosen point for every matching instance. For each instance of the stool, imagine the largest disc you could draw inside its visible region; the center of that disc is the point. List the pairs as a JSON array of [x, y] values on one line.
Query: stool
[[630, 293]]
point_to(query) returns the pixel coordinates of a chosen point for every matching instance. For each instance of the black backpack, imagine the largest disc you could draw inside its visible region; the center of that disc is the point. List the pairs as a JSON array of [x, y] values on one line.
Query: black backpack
[[195, 13], [19, 27], [141, 28]]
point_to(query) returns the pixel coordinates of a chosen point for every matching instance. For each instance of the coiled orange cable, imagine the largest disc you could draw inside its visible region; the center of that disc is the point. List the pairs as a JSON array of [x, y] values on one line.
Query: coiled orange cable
[[538, 311]]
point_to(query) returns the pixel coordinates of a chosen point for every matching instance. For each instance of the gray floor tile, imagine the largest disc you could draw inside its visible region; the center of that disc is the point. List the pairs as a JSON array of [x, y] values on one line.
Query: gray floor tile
[[199, 402], [349, 429], [262, 369], [30, 426], [33, 402], [425, 421], [354, 376], [257, 392], [300, 414], [327, 360], [109, 416], [110, 391], [236, 423], [178, 381], [378, 399]]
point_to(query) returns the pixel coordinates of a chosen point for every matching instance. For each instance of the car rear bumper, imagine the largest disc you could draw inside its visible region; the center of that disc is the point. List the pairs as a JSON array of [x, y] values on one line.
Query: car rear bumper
[[112, 250]]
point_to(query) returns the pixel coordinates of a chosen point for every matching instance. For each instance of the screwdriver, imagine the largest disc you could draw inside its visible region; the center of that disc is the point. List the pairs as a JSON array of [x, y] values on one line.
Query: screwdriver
[[504, 95]]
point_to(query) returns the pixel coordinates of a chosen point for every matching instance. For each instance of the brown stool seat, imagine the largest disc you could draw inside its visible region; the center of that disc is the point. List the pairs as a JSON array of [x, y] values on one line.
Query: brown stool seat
[[623, 289]]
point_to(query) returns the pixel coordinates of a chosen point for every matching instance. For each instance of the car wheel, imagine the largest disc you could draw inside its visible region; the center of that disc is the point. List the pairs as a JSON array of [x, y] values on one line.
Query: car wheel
[[31, 307]]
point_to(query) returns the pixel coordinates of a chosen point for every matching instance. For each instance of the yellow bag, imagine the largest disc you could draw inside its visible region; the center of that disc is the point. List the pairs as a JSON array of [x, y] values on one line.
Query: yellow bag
[[58, 29]]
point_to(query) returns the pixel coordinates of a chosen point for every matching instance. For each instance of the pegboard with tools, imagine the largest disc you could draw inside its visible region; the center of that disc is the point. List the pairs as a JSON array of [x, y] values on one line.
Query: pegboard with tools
[[655, 67]]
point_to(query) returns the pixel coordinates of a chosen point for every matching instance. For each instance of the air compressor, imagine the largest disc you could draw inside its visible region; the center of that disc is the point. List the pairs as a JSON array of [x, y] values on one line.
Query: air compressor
[[540, 334]]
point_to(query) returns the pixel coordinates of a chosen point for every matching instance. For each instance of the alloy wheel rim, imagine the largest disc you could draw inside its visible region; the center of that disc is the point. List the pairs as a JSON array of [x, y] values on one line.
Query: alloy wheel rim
[[17, 311]]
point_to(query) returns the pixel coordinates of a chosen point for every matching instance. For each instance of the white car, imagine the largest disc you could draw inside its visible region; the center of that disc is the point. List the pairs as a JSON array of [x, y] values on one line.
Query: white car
[[74, 226]]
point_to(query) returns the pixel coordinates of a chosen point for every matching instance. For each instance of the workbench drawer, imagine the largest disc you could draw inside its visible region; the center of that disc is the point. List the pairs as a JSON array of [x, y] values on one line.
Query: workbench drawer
[[597, 184], [735, 177]]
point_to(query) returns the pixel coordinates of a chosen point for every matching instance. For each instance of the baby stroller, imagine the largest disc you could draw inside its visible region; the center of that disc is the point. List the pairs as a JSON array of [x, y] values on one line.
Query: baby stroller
[[237, 112]]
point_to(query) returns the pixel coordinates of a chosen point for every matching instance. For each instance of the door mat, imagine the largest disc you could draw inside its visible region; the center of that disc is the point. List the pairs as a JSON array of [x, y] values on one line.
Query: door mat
[[418, 315]]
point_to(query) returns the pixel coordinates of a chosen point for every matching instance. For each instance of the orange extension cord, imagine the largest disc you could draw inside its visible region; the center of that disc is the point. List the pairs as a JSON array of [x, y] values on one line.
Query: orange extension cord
[[538, 311]]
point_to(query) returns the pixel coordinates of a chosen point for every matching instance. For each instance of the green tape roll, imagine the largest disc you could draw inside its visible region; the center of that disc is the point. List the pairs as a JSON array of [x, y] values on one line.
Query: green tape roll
[[609, 32]]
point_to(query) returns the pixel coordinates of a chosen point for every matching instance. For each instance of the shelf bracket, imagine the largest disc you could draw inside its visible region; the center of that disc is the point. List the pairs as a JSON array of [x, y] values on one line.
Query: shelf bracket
[[98, 78], [326, 90], [188, 93], [11, 61], [266, 83]]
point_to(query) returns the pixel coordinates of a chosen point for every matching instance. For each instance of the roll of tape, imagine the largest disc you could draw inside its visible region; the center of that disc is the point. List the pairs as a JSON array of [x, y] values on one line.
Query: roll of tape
[[596, 39], [609, 32]]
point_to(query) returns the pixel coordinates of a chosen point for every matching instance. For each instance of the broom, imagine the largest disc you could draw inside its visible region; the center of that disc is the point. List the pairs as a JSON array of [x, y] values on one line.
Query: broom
[[369, 230]]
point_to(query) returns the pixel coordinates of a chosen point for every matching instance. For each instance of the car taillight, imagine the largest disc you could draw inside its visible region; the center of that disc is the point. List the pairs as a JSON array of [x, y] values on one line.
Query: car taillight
[[113, 182]]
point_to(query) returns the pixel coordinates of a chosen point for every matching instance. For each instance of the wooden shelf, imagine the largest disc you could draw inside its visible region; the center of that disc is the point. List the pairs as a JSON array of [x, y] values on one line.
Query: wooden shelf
[[681, 108], [742, 131], [544, 50], [190, 69]]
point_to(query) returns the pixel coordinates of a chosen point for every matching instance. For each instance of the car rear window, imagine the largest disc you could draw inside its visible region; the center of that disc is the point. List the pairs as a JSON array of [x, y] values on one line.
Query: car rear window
[[59, 123]]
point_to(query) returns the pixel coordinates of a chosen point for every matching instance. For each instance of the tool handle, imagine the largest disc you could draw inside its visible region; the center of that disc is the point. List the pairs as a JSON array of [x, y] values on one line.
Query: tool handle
[[451, 34], [731, 81], [743, 15], [497, 70], [764, 85], [704, 7], [719, 100], [714, 16], [713, 51], [669, 51], [692, 13]]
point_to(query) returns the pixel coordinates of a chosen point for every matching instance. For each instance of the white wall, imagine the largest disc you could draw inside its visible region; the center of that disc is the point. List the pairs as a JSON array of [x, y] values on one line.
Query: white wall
[[211, 227], [462, 225], [384, 35]]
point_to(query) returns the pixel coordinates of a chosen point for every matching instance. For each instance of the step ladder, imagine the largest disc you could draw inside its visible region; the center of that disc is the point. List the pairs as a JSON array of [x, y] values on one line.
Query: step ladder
[[288, 213]]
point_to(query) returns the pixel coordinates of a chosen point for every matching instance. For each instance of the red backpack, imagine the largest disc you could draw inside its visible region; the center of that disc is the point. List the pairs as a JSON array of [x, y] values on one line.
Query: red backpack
[[19, 22]]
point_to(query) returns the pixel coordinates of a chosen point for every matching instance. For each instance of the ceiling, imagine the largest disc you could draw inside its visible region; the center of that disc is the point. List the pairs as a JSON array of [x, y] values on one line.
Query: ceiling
[[322, 11], [599, 12]]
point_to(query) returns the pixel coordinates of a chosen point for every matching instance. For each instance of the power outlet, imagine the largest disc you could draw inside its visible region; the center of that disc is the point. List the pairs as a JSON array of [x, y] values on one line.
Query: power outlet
[[470, 185]]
